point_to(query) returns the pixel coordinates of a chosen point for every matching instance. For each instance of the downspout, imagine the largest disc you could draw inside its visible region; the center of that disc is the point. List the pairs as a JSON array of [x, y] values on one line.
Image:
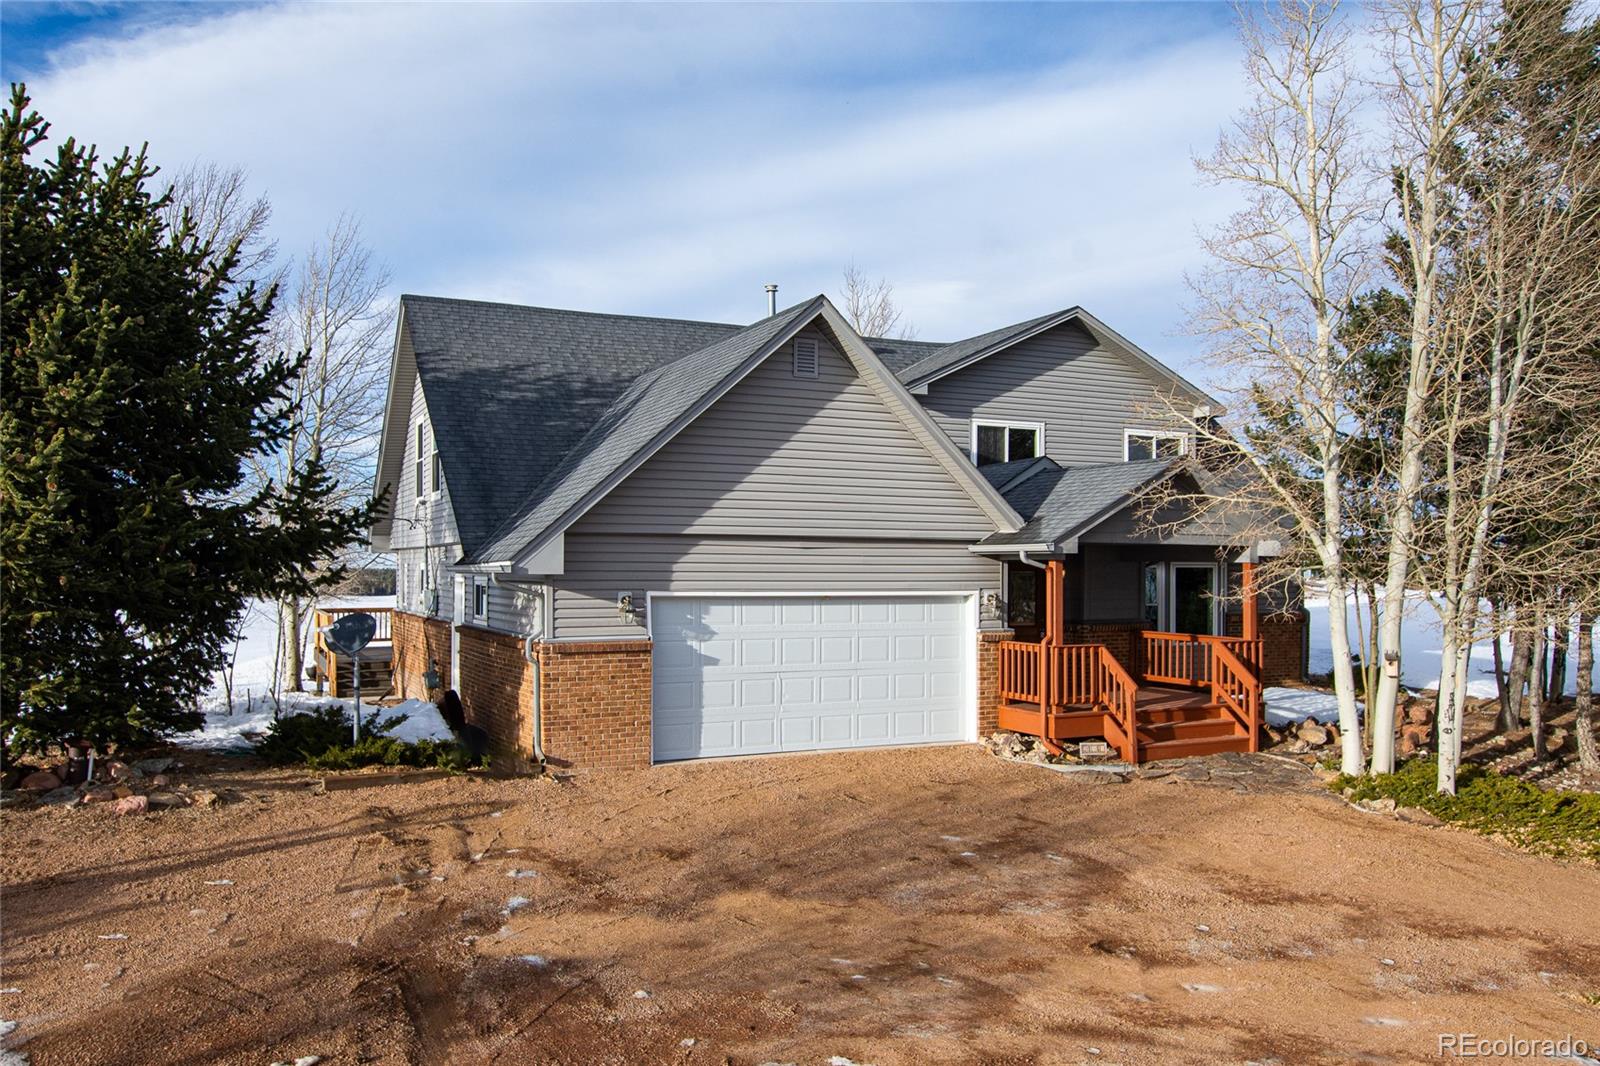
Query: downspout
[[536, 708]]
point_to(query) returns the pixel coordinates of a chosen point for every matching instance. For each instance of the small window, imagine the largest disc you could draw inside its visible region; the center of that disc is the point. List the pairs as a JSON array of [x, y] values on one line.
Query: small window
[[805, 357], [421, 456], [1006, 442], [438, 471], [1153, 444], [480, 598]]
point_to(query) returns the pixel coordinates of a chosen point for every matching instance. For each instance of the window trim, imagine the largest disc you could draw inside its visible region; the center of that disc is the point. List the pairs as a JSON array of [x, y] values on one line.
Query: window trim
[[436, 475], [477, 584], [1157, 434], [1006, 424]]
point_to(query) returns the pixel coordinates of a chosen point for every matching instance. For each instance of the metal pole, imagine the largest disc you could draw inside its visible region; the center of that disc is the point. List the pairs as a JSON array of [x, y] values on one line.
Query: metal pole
[[355, 726]]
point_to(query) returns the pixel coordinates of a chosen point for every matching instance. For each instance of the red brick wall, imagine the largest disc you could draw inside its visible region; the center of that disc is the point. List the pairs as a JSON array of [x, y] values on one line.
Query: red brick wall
[[1120, 638], [419, 641], [596, 703], [989, 679], [496, 689], [1283, 645]]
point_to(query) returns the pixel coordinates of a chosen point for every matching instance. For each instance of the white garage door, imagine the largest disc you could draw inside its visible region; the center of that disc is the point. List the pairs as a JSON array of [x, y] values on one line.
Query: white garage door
[[740, 676]]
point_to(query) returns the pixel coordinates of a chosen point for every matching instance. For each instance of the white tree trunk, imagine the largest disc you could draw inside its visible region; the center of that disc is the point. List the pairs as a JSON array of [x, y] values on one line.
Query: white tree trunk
[[1344, 680]]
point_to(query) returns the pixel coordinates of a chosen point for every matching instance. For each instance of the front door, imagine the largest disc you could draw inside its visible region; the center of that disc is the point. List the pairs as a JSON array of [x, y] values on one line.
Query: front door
[[1194, 597]]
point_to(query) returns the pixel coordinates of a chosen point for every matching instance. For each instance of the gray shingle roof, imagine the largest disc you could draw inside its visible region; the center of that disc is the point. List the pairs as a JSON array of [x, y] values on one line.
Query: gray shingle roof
[[949, 355], [1061, 502], [652, 405], [510, 389]]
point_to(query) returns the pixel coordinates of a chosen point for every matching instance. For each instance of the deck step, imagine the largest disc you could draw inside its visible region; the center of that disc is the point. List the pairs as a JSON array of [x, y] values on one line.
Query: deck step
[[1193, 729], [1182, 749]]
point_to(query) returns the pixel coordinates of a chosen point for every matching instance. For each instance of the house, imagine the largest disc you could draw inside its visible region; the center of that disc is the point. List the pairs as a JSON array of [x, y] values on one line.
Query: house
[[625, 540]]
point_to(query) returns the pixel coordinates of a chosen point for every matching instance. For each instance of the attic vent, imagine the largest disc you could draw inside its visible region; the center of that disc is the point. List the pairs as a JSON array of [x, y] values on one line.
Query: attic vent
[[805, 357]]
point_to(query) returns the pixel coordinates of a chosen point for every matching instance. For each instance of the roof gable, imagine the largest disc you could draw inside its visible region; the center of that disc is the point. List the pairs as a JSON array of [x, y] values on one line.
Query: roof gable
[[658, 406], [959, 355]]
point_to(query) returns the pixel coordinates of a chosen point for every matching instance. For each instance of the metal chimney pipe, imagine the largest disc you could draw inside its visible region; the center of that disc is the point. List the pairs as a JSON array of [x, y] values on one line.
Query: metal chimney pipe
[[772, 299]]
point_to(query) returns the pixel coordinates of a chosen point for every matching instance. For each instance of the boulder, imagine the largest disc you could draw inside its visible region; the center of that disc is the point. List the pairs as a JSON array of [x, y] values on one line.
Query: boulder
[[130, 805], [1382, 806], [166, 799], [1312, 732], [100, 795], [1416, 816], [155, 766], [60, 796], [121, 771], [40, 781], [1419, 714], [205, 798], [158, 781]]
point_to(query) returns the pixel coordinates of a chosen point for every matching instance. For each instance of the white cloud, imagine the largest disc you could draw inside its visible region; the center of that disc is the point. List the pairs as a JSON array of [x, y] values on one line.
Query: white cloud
[[670, 160]]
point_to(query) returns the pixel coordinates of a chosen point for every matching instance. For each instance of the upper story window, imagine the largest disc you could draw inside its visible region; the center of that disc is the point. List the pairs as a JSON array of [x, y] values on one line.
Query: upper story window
[[1006, 442], [480, 598], [420, 461], [438, 472], [1153, 444]]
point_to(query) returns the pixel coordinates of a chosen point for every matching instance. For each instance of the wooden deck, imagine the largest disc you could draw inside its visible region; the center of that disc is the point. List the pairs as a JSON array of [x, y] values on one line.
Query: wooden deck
[[338, 671], [1190, 695]]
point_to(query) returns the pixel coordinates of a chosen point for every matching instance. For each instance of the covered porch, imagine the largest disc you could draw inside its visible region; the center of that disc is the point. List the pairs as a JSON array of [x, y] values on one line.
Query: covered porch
[[1122, 634]]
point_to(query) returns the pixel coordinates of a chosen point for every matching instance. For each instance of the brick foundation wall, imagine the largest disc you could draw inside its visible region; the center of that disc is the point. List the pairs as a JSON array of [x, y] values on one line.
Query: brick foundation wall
[[496, 690], [1120, 638], [418, 642], [989, 679], [1283, 645], [596, 704]]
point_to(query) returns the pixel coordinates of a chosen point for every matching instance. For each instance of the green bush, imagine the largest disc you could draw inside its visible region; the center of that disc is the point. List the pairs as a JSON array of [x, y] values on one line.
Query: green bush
[[1549, 821], [320, 738]]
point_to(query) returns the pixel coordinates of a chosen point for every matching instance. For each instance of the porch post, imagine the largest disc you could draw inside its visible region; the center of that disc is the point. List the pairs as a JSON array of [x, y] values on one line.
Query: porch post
[[1250, 627], [1055, 627]]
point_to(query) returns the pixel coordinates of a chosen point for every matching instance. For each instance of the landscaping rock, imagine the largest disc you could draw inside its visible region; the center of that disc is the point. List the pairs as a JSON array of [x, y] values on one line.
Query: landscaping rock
[[121, 771], [40, 781], [158, 781], [130, 805], [1312, 732], [57, 797], [1193, 772], [205, 798], [166, 799], [1324, 774], [1416, 816], [99, 795], [155, 766], [1419, 714], [1382, 806]]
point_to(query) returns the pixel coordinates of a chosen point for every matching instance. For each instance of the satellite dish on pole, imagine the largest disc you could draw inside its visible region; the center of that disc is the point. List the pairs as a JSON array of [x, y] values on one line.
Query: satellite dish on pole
[[347, 635]]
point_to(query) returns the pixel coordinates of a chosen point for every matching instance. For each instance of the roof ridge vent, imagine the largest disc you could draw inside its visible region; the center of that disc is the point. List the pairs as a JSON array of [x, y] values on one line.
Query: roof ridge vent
[[805, 357]]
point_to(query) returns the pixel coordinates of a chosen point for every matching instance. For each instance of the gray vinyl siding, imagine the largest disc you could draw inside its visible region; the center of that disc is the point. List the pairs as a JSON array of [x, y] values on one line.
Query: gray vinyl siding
[[513, 608], [1085, 394], [423, 529], [799, 457], [600, 565]]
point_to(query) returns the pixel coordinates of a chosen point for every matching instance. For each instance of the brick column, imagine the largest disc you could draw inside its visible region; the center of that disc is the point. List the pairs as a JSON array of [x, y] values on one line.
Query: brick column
[[989, 679], [1283, 644], [596, 703], [1120, 638], [418, 642]]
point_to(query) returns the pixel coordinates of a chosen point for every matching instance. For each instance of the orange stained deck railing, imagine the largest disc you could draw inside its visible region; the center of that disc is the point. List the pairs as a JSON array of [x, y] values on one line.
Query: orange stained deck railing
[[1055, 677]]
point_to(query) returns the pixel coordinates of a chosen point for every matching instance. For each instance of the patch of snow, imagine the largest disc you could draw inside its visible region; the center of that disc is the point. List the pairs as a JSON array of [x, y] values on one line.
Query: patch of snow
[[515, 903], [112, 936], [1289, 706], [1423, 645], [219, 881], [536, 961], [522, 873]]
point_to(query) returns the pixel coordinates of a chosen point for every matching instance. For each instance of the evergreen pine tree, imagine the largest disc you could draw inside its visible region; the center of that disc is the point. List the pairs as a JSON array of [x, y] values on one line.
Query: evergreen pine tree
[[134, 386]]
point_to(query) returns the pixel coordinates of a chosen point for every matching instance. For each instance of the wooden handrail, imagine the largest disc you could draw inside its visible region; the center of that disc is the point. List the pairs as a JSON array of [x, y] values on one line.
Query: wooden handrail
[[1236, 688], [1120, 695]]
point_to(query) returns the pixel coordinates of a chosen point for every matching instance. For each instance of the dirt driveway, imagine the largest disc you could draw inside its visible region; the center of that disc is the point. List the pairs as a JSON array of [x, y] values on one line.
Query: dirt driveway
[[906, 906]]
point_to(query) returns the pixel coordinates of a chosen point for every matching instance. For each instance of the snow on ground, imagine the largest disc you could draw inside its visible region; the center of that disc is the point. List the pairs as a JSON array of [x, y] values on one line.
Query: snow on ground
[[1423, 645], [254, 708], [1289, 706]]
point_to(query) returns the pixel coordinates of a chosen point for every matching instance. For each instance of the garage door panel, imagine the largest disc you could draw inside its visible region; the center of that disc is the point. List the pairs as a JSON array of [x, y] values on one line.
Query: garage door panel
[[747, 675]]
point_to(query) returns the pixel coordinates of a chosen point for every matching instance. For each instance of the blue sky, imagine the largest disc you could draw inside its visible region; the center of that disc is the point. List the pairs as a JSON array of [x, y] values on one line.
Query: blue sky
[[993, 161]]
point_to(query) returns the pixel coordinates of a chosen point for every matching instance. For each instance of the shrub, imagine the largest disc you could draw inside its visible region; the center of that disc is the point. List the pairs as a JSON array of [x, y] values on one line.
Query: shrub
[[320, 738], [1549, 821]]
